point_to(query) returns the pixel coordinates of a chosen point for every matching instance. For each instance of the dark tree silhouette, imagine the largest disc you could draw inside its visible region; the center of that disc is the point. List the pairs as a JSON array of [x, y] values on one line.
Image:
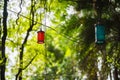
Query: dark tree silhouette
[[3, 65], [21, 68]]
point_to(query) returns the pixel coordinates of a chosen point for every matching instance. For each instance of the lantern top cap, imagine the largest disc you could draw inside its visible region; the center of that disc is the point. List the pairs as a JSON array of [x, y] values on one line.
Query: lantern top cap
[[40, 30], [98, 23]]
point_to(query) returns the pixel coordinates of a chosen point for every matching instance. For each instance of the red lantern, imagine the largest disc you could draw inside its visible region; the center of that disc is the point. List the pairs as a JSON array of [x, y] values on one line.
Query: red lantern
[[40, 37]]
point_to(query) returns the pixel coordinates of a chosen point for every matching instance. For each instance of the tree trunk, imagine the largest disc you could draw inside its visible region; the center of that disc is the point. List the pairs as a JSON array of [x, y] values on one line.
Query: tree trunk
[[0, 45], [2, 66], [110, 75], [19, 74], [115, 74]]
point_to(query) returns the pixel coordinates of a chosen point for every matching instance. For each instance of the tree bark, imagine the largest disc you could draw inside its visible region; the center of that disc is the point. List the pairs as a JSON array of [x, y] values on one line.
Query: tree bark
[[110, 75], [2, 66], [115, 74], [0, 44]]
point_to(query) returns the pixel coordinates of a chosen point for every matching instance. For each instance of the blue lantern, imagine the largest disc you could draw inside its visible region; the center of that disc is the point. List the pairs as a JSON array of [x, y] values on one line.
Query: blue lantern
[[99, 34]]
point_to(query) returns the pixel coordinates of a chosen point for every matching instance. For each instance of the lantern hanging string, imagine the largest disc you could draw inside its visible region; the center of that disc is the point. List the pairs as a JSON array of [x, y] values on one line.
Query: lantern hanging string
[[64, 35], [45, 13], [98, 6], [40, 12]]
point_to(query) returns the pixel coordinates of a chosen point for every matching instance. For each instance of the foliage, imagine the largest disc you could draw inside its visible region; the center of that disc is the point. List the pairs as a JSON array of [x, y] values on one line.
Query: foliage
[[69, 51]]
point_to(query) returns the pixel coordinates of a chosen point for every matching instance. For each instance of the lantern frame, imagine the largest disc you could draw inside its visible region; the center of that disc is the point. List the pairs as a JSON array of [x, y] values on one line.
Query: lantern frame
[[40, 37], [99, 33]]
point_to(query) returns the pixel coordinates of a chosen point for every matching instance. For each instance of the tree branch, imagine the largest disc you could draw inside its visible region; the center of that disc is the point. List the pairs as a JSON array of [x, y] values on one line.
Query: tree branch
[[30, 62], [19, 74]]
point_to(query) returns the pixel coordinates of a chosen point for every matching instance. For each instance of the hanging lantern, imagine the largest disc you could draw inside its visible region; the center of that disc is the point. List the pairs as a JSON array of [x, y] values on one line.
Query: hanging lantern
[[40, 37], [99, 33]]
